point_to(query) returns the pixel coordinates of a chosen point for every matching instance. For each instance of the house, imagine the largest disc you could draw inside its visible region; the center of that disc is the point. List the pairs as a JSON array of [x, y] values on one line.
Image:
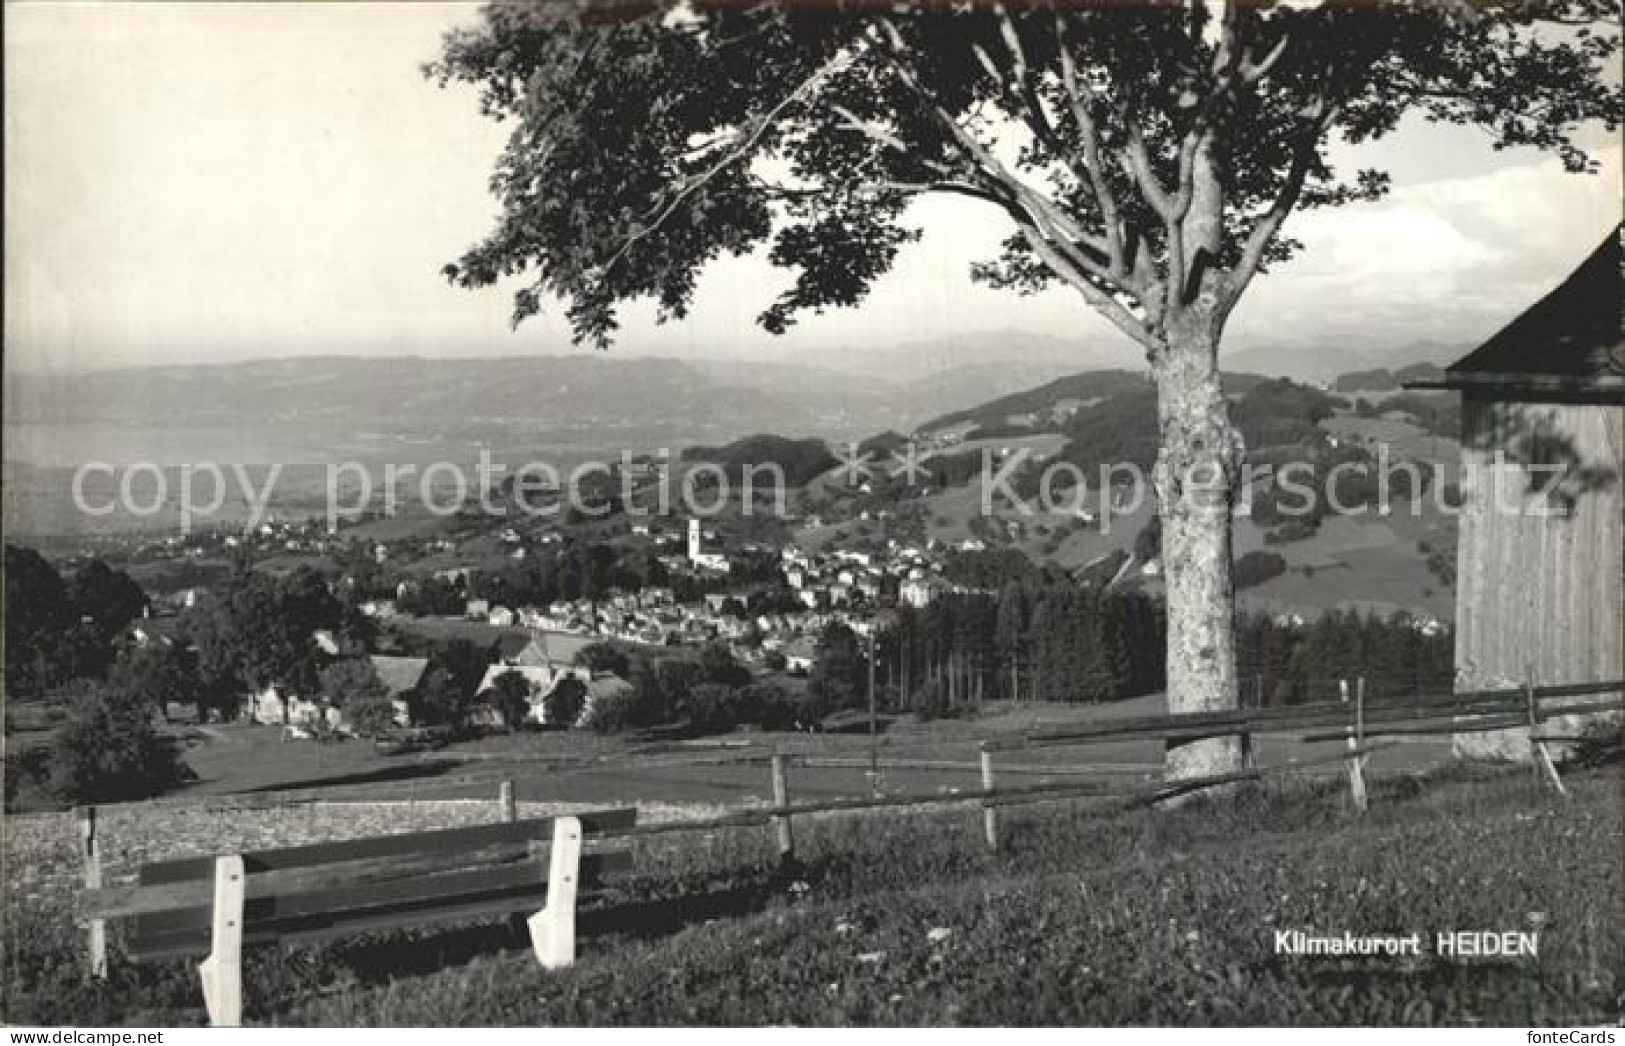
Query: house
[[272, 706], [400, 676], [1541, 550], [542, 680], [500, 617], [800, 654], [528, 649], [475, 609], [918, 592], [529, 656], [700, 558]]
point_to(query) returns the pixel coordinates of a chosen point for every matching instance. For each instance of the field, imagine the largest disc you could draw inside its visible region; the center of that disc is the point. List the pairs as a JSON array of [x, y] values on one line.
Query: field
[[1163, 917], [579, 766]]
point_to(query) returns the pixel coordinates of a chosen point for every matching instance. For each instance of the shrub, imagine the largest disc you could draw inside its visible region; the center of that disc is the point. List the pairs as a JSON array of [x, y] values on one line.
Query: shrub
[[776, 709], [369, 715], [1255, 568], [563, 704], [604, 657], [713, 707], [510, 697], [644, 704], [718, 666], [109, 750]]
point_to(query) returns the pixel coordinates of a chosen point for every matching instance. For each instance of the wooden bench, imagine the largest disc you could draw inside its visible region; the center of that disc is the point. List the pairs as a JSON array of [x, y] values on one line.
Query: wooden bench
[[215, 905]]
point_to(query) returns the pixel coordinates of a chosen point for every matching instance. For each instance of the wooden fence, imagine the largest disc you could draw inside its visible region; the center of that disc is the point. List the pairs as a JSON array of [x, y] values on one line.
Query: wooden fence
[[1353, 720]]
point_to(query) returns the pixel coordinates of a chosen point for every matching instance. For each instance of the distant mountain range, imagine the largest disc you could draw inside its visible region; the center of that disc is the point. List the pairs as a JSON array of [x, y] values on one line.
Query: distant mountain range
[[1322, 363], [614, 398], [620, 397]]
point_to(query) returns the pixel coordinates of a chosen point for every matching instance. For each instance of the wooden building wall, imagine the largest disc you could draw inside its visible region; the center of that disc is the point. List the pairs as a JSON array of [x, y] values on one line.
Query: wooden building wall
[[1539, 580]]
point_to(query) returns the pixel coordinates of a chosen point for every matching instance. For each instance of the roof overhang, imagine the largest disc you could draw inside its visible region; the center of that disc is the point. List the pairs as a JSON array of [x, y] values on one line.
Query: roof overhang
[[1605, 388]]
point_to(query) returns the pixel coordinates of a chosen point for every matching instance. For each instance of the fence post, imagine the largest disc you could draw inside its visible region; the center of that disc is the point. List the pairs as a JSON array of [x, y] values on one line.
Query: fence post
[[1543, 757], [505, 799], [97, 937], [1359, 720], [222, 972], [1356, 770], [781, 798], [990, 816]]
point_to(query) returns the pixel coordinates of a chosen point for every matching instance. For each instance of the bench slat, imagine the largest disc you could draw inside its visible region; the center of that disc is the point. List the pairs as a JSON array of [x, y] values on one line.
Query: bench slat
[[353, 908], [445, 840], [124, 901], [190, 944]]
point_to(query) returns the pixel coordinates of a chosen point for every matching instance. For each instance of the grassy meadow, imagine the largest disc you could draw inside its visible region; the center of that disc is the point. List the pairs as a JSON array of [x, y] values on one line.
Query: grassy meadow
[[1154, 917]]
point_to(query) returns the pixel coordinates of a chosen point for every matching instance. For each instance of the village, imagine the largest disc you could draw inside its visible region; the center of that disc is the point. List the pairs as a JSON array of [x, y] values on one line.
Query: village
[[986, 514], [769, 626]]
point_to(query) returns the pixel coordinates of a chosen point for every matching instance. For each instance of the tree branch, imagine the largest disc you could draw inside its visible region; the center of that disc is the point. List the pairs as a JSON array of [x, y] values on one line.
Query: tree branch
[[1102, 301], [746, 143], [1084, 118], [1252, 252]]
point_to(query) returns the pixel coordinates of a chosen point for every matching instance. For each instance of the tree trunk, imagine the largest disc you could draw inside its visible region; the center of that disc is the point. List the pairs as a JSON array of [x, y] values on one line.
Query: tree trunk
[[1198, 469]]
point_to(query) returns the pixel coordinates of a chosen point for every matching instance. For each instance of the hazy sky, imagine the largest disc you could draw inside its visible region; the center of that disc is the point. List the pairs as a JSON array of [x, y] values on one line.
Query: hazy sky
[[190, 182]]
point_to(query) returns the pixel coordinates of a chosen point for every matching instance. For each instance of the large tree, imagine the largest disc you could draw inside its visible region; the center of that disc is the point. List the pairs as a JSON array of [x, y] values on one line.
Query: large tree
[[1145, 155]]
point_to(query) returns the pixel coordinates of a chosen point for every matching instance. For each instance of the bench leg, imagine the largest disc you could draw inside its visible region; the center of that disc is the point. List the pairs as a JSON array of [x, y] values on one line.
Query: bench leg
[[553, 929], [222, 972]]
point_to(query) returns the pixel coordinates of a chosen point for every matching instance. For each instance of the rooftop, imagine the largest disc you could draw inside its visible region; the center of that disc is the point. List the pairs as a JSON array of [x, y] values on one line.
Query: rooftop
[[1569, 340]]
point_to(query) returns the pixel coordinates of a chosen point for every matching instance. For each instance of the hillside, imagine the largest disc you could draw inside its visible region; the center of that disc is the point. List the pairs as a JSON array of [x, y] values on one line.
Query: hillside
[[1365, 558], [1325, 362], [1045, 408], [800, 460], [891, 919]]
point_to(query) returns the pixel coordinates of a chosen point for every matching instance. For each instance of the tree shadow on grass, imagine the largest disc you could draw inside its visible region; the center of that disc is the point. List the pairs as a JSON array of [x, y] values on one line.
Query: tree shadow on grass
[[403, 772]]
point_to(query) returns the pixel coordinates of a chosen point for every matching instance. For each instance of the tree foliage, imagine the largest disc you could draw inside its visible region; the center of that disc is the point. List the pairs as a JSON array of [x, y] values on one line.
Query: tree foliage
[[59, 630], [649, 141], [604, 657], [510, 696], [160, 674], [839, 675], [563, 704], [256, 630], [109, 597]]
